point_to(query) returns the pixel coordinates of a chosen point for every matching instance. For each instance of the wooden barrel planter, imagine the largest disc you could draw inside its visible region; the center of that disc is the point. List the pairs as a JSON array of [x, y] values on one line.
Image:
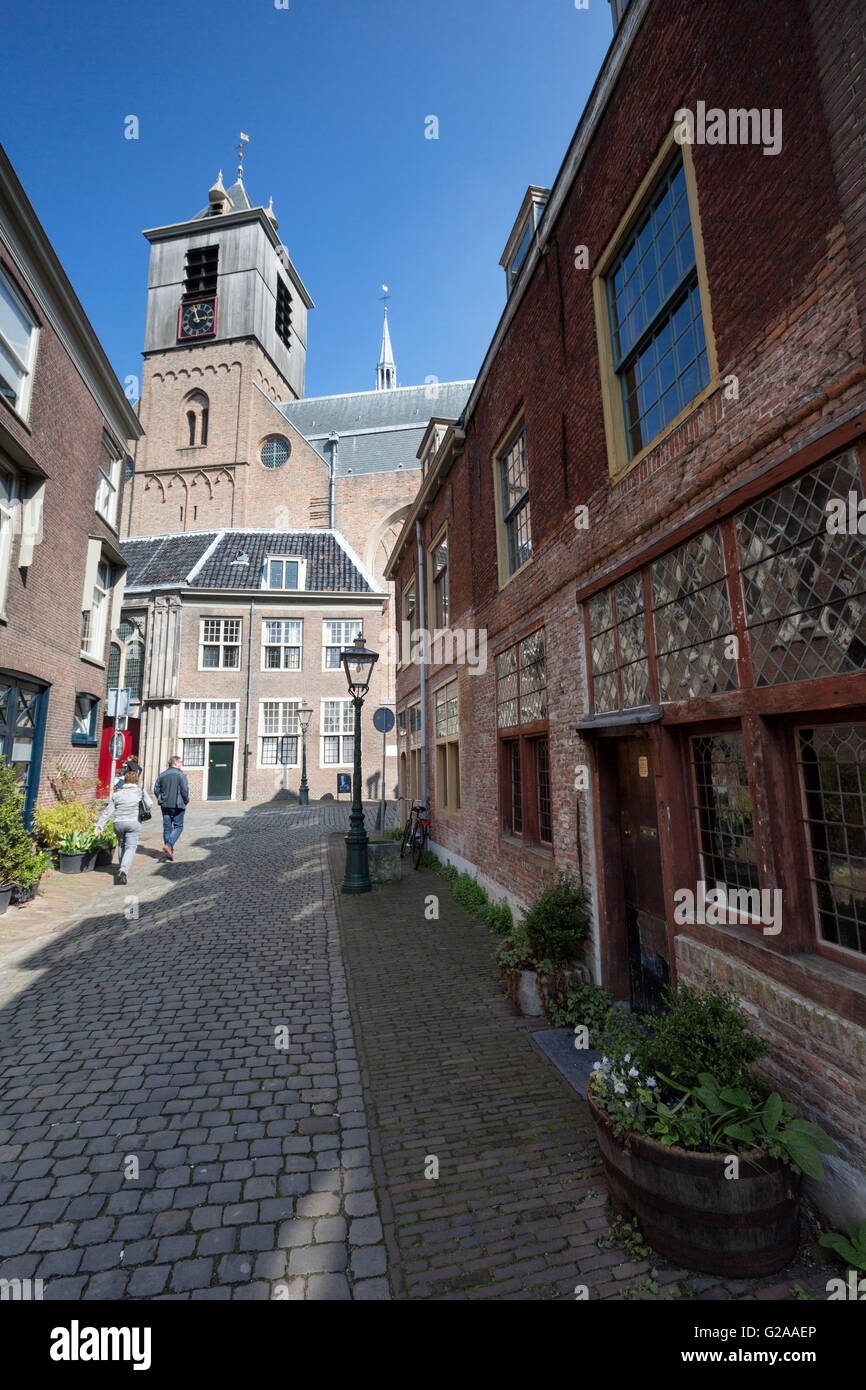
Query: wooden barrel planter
[[691, 1213]]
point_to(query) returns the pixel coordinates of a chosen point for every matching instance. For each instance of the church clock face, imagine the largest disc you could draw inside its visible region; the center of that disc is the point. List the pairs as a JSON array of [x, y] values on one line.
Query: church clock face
[[197, 320]]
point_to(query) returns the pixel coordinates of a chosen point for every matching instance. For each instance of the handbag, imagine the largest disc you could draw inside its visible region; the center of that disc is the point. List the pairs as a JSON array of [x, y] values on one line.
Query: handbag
[[142, 813]]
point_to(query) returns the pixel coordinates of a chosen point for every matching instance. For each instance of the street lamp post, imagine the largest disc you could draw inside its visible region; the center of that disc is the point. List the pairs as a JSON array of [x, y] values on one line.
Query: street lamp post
[[358, 664], [305, 714]]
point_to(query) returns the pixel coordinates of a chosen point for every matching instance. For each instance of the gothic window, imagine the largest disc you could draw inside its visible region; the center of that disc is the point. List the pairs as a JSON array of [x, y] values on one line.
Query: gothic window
[[196, 408]]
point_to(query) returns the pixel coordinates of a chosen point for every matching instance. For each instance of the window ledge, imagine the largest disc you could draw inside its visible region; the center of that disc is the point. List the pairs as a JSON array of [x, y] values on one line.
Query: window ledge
[[19, 419], [92, 660], [694, 405], [85, 742], [503, 583]]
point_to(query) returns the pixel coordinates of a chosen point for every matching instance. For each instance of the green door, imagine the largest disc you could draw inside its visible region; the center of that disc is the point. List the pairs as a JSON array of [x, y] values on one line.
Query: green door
[[219, 771]]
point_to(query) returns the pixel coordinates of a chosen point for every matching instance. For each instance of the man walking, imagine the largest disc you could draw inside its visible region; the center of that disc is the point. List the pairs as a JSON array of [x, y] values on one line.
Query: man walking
[[171, 790]]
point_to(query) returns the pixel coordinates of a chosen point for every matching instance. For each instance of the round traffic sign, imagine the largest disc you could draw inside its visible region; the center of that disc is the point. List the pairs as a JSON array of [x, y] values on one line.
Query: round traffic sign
[[116, 746], [383, 720]]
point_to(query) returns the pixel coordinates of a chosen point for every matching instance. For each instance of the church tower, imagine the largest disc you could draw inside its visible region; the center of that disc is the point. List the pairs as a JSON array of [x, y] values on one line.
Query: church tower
[[225, 341]]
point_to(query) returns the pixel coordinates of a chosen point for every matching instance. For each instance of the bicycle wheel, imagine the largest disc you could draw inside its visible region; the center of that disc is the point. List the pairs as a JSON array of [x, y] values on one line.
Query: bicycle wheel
[[419, 842], [407, 836]]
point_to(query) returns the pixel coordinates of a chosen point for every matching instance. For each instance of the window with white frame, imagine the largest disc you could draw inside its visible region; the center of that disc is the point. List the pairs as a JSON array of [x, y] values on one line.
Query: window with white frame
[[282, 641], [220, 644], [93, 619], [336, 636], [284, 572], [84, 719], [439, 580], [514, 537], [338, 727], [18, 334], [7, 530], [109, 483], [278, 733], [446, 728], [217, 718], [193, 752]]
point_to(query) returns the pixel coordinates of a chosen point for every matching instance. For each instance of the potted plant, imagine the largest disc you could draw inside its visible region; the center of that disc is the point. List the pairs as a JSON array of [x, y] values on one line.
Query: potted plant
[[76, 852], [694, 1145], [52, 824], [539, 956], [104, 845], [21, 864]]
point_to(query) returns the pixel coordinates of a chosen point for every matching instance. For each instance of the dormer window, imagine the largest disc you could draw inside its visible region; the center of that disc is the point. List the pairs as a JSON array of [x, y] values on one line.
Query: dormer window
[[520, 241], [284, 572], [201, 271]]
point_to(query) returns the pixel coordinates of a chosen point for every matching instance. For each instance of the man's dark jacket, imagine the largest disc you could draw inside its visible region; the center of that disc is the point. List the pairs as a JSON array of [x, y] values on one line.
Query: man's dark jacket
[[171, 789]]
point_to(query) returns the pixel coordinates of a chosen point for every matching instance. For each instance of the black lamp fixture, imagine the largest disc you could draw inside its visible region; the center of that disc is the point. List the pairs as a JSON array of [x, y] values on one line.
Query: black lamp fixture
[[358, 662], [305, 714]]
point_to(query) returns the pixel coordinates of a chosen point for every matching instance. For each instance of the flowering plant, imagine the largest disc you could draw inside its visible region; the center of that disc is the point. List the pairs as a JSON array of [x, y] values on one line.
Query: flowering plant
[[628, 1096]]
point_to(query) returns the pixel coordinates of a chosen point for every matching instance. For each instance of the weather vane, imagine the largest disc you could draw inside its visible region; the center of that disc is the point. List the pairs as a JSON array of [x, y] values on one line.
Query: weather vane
[[244, 140], [386, 296]]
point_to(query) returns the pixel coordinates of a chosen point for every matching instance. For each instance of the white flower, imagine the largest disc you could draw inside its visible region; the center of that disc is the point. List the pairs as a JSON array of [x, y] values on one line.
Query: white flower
[[628, 1105], [633, 1071], [627, 1057], [596, 1066], [619, 1088], [651, 1081]]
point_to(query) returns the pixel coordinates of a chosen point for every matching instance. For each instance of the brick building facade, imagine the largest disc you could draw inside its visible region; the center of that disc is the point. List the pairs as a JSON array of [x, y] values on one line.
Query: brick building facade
[[234, 457], [653, 512], [65, 429]]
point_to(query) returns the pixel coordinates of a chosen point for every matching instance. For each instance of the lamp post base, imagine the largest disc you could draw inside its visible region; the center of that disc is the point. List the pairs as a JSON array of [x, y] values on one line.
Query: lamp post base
[[357, 876]]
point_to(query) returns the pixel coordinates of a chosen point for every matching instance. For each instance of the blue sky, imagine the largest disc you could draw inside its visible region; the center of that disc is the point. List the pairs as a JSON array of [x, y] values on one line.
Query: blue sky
[[334, 95]]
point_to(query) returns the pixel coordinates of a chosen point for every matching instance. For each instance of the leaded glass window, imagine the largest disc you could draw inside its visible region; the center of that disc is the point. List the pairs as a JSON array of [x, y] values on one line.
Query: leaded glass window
[[693, 620], [833, 770], [723, 806], [804, 582], [521, 682], [545, 824], [617, 629]]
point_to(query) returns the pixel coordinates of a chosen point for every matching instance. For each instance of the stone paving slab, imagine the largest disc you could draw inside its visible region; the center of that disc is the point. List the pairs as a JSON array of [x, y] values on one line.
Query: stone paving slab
[[181, 1111], [450, 1073]]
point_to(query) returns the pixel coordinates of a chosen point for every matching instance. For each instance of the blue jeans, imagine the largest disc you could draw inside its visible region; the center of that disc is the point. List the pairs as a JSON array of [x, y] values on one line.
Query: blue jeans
[[172, 826]]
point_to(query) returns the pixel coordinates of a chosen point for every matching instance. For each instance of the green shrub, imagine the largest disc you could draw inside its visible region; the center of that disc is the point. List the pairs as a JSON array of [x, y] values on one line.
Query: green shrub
[[702, 1032], [53, 823], [20, 862], [393, 834], [558, 920], [497, 916]]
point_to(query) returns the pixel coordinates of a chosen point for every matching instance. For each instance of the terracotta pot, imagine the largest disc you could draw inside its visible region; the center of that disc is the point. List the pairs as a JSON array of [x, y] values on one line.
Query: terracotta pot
[[689, 1211]]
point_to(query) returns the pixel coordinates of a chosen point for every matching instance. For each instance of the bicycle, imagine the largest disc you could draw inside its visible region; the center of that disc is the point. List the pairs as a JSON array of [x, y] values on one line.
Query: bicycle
[[415, 833]]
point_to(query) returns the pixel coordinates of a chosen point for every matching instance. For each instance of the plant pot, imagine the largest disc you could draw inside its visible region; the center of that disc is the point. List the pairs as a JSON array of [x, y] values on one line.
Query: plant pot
[[689, 1211], [5, 897], [104, 857], [70, 863], [22, 895], [89, 861]]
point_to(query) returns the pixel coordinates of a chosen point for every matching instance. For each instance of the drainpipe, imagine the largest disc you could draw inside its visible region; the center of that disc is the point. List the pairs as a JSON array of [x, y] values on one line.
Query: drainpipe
[[423, 663], [249, 698], [334, 441]]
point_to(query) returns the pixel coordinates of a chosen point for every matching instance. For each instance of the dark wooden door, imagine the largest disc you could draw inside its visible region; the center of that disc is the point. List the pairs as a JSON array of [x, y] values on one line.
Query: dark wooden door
[[219, 771], [648, 964]]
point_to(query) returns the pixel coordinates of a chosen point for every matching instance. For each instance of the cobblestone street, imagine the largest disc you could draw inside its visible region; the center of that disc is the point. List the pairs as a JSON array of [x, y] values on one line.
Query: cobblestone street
[[186, 1093]]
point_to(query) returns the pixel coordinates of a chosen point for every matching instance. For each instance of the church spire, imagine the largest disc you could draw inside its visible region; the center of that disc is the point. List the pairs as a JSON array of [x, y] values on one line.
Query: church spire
[[386, 372]]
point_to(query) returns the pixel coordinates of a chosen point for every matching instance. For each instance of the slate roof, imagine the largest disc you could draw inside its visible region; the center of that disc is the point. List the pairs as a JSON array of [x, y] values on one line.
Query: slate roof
[[203, 560], [237, 197], [380, 431]]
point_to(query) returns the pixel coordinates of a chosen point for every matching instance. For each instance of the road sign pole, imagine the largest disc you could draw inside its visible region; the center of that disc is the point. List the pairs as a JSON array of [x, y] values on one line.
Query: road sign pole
[[382, 809]]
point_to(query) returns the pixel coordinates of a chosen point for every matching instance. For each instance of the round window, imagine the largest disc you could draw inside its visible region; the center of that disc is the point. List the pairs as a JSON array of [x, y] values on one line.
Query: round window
[[275, 452]]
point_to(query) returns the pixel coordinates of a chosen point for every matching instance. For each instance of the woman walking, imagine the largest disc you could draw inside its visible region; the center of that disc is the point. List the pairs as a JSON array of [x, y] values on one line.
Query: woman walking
[[123, 806]]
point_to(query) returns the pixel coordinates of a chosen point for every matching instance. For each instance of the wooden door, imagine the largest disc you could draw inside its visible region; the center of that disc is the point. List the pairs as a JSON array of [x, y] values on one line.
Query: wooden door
[[646, 932], [219, 771]]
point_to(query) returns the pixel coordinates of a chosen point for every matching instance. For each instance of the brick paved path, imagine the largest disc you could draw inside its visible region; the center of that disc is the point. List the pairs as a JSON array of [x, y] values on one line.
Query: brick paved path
[[451, 1072], [149, 1044], [153, 1040]]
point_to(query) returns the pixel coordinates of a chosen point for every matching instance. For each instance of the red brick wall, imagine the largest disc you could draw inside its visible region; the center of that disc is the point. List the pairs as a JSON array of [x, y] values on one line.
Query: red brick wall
[[42, 633], [784, 243]]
